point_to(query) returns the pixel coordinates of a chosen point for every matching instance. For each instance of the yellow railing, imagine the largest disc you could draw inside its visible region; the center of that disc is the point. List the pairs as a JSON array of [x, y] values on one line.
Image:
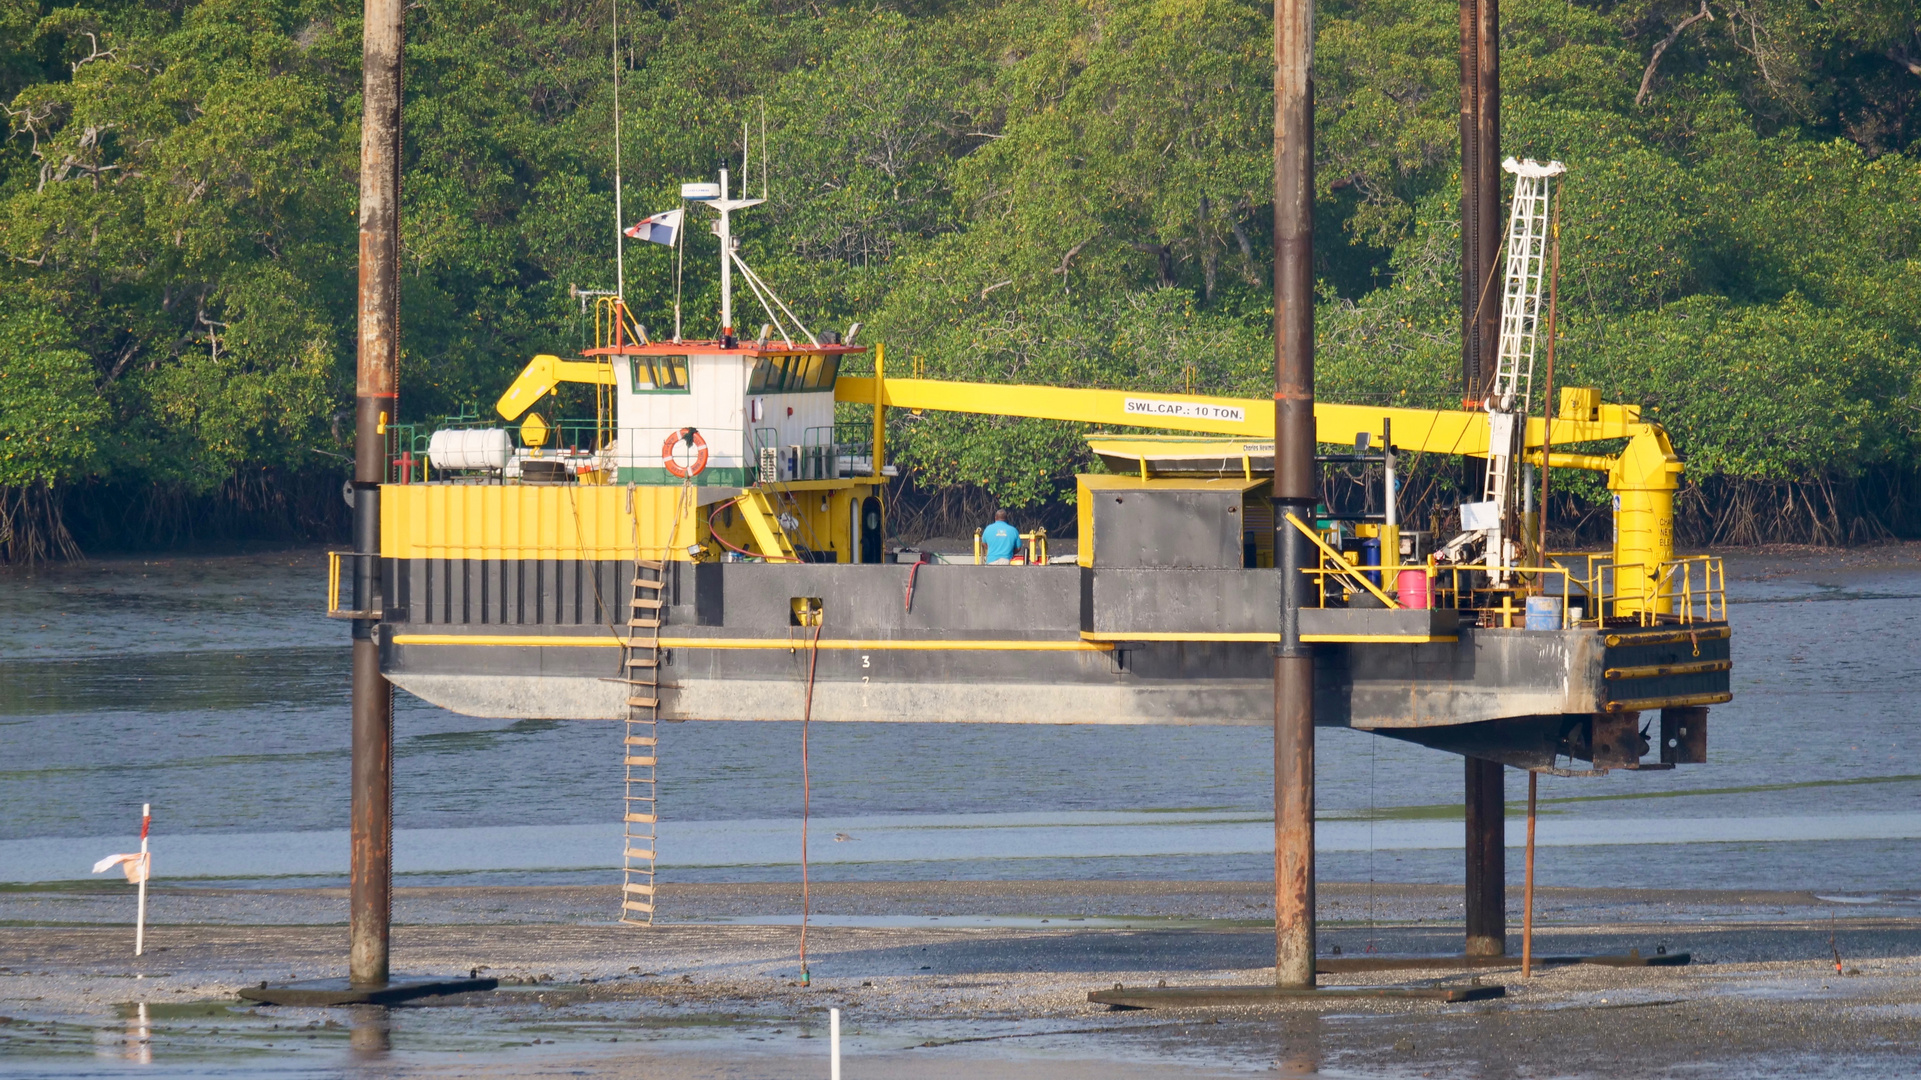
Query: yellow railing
[[1699, 586], [1036, 544], [1335, 564], [334, 559], [1449, 584], [1586, 588]]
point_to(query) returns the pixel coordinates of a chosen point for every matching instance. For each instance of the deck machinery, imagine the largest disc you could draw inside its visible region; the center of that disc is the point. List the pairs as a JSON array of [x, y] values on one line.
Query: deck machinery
[[680, 557]]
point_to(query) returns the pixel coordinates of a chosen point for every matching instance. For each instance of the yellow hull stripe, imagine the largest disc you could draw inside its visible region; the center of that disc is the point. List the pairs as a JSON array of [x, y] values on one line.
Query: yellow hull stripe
[[611, 642], [1392, 639], [1640, 704]]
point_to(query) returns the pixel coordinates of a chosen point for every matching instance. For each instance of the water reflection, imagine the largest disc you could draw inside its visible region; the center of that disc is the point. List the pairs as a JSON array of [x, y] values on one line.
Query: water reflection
[[369, 1030], [133, 1043]]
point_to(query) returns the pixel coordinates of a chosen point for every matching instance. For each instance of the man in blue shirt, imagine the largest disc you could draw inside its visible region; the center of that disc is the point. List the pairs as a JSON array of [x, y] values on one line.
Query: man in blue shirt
[[1000, 539]]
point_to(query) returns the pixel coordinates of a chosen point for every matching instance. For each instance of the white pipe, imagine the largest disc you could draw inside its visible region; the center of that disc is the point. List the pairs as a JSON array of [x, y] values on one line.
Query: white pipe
[[726, 261], [833, 1044], [1392, 514], [749, 271], [140, 917], [754, 286]]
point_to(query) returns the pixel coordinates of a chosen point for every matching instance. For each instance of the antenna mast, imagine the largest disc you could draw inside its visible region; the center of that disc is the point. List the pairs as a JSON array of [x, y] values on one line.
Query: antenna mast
[[620, 240]]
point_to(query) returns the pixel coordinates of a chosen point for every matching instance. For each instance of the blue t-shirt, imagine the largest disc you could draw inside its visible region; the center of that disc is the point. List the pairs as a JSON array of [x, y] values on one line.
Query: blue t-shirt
[[1001, 540]]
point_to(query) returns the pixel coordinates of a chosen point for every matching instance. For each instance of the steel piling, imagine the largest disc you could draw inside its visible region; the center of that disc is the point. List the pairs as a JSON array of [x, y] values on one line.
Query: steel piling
[[375, 400], [1486, 858], [1296, 488]]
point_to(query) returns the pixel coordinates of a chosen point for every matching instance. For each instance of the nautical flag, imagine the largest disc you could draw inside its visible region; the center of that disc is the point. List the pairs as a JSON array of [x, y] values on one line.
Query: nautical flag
[[136, 866], [662, 228]]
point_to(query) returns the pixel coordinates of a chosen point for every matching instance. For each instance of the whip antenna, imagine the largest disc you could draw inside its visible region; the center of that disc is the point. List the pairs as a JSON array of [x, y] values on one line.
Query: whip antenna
[[620, 244]]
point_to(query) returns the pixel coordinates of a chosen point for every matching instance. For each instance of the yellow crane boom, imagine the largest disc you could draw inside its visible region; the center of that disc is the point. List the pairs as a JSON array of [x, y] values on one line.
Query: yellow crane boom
[[1642, 477], [545, 372]]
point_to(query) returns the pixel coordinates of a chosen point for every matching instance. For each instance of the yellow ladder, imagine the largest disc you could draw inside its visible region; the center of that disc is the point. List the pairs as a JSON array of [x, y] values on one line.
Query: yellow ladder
[[641, 750], [763, 520]]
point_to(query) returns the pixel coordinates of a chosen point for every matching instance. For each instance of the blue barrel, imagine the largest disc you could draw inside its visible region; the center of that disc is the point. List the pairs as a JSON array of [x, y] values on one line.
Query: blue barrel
[[1543, 613], [1371, 556]]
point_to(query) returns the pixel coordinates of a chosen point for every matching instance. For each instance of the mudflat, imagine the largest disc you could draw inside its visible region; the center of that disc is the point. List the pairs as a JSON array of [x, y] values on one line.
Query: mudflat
[[956, 978]]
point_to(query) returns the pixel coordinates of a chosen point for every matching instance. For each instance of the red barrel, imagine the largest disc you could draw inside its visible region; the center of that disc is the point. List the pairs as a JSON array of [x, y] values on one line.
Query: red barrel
[[1412, 587]]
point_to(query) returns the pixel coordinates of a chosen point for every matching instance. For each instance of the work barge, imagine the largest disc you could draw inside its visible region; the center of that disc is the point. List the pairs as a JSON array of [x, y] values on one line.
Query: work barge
[[712, 544], [515, 597]]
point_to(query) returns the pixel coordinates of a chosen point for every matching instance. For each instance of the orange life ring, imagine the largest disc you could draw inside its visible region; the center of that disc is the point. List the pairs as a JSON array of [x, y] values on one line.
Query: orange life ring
[[691, 436]]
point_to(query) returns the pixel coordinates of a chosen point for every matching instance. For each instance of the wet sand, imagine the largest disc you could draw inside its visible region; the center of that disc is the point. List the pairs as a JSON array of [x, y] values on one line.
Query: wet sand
[[955, 979]]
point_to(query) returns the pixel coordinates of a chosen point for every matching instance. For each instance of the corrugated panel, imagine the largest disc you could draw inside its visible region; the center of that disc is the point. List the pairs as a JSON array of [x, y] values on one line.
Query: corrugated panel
[[525, 521]]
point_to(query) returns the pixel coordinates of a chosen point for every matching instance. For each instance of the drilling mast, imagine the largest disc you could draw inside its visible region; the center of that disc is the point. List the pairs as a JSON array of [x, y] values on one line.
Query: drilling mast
[[1493, 524]]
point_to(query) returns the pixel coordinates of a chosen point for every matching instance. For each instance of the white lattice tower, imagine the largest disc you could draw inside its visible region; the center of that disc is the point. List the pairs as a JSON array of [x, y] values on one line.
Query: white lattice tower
[[1513, 387]]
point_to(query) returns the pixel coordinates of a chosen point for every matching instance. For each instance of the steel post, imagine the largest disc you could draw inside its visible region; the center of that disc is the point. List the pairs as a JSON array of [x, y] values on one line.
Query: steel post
[[1527, 902], [375, 399], [1486, 858], [371, 886], [1487, 216], [1296, 488], [1480, 194], [1470, 198]]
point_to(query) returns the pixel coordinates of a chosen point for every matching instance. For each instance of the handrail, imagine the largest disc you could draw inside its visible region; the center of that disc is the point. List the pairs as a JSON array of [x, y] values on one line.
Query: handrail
[[1036, 542], [1340, 560], [333, 580]]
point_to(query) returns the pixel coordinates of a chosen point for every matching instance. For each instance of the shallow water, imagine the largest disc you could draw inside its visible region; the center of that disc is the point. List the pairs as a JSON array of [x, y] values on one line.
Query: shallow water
[[214, 689]]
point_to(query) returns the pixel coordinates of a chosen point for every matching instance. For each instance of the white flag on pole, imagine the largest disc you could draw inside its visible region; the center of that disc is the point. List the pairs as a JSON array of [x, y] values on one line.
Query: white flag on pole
[[662, 228], [136, 866]]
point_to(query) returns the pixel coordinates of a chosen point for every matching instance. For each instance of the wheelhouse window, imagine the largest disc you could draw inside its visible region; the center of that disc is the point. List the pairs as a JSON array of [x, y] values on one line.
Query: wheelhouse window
[[659, 374], [793, 373]]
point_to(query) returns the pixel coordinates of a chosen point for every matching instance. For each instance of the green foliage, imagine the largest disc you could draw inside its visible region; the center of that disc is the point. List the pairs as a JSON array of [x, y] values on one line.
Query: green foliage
[[1764, 392], [50, 418], [1071, 192]]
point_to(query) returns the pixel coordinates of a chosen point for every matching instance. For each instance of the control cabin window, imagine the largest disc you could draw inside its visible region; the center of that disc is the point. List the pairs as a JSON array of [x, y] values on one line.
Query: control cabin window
[[659, 374], [793, 373]]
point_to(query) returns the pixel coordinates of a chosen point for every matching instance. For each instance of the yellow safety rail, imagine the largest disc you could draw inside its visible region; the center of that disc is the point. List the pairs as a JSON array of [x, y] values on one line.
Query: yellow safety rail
[[1449, 583], [1341, 567], [1693, 589], [1036, 542], [333, 580]]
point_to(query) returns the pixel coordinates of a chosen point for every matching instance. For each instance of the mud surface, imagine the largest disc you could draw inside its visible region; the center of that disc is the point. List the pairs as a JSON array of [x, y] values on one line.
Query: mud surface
[[970, 980]]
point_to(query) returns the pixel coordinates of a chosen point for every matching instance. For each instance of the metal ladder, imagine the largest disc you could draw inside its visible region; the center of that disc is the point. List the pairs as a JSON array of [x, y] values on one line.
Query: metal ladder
[[641, 674]]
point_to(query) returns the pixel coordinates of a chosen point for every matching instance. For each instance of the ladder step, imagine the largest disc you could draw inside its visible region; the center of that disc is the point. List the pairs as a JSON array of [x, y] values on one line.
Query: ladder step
[[637, 682], [636, 905], [638, 853], [643, 661], [649, 583], [643, 702], [643, 819], [644, 623], [650, 603], [642, 740], [639, 761], [647, 564]]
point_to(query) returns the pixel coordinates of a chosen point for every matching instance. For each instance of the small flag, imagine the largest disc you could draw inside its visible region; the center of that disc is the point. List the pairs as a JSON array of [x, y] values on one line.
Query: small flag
[[136, 866], [662, 228]]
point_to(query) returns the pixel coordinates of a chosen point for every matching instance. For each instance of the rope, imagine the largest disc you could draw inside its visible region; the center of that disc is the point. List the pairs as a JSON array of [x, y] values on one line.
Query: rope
[[1370, 946], [806, 791]]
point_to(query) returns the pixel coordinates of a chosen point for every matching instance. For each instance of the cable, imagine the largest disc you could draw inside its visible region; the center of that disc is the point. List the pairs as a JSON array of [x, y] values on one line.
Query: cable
[[806, 790], [1370, 946], [722, 541]]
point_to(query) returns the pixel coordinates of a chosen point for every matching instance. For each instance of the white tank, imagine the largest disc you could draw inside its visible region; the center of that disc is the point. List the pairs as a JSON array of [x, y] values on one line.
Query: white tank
[[471, 448]]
